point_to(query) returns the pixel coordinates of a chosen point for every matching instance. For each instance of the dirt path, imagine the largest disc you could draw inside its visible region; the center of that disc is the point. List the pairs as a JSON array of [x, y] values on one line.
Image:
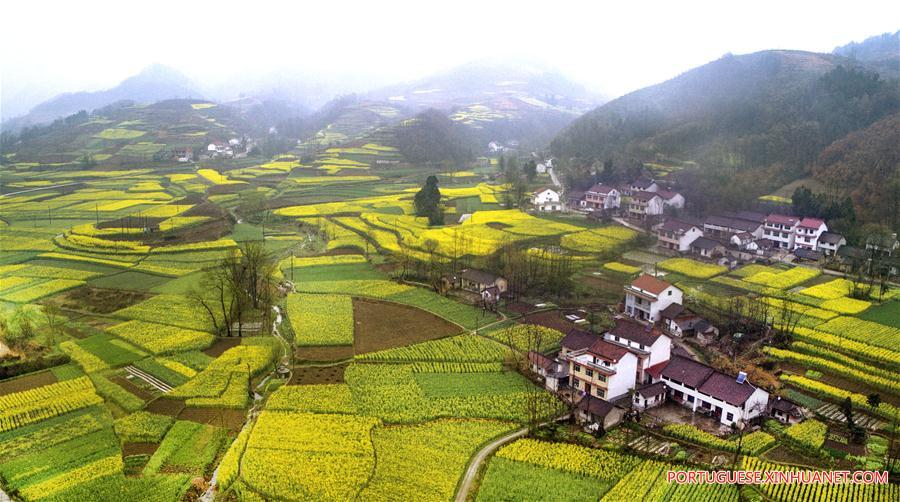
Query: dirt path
[[465, 485]]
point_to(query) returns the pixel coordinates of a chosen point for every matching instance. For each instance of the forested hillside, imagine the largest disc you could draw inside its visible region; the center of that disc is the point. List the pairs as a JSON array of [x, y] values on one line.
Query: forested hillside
[[750, 123]]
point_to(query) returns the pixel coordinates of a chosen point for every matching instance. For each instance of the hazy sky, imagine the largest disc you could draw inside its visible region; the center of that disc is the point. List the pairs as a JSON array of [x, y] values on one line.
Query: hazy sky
[[615, 47]]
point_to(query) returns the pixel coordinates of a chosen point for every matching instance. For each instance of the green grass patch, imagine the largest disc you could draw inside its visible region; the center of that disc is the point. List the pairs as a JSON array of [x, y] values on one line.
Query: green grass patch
[[470, 384]]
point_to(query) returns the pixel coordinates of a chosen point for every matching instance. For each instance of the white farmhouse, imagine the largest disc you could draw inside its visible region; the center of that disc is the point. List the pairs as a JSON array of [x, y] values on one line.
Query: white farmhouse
[[829, 243], [808, 232], [671, 199], [602, 196], [677, 235], [647, 296], [727, 398], [603, 369], [781, 230], [651, 346], [644, 204], [546, 199]]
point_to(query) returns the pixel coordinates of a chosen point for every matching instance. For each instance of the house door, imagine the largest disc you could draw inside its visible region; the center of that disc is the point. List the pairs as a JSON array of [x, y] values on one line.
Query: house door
[[587, 389]]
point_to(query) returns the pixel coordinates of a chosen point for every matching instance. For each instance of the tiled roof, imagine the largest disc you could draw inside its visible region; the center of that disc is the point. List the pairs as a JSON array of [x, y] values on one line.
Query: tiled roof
[[677, 226], [652, 390], [729, 222], [577, 339], [672, 311], [479, 276], [636, 332], [607, 350], [651, 284], [601, 188], [726, 388], [642, 183], [811, 223], [705, 243], [830, 238], [595, 406], [780, 219], [657, 368], [667, 194], [686, 371], [541, 360], [645, 196]]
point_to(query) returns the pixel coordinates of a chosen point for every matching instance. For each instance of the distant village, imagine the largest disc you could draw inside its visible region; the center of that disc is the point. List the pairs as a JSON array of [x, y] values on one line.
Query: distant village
[[728, 238]]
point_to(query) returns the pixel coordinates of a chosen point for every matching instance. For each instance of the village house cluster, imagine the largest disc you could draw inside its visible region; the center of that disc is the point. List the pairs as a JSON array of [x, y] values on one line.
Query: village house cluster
[[635, 365]]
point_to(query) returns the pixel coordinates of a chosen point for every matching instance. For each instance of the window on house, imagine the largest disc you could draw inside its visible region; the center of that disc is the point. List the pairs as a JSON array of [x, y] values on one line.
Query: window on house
[[601, 378], [601, 393], [642, 346], [670, 292], [589, 373], [577, 369], [690, 399], [729, 416]]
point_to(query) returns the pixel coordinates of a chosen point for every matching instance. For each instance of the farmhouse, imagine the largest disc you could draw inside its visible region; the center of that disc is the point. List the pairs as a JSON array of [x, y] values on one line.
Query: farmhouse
[[643, 184], [727, 398], [648, 344], [727, 225], [644, 204], [829, 243], [479, 281], [785, 411], [781, 230], [553, 372], [808, 232], [883, 244], [597, 412], [576, 340], [649, 396], [679, 321], [677, 235], [647, 296], [546, 199], [602, 196], [604, 369], [672, 199], [575, 199], [707, 248]]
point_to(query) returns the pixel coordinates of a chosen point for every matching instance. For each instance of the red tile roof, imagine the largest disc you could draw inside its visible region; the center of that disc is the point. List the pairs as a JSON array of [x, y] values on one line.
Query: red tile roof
[[666, 194], [577, 339], [726, 388], [811, 223], [607, 350], [646, 196], [650, 284], [780, 219], [656, 369]]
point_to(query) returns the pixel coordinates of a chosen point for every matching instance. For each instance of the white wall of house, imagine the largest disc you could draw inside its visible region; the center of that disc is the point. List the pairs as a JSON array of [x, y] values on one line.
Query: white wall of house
[[642, 403], [546, 200], [676, 201], [754, 406], [830, 249], [645, 309], [624, 379], [783, 235], [684, 242], [808, 238]]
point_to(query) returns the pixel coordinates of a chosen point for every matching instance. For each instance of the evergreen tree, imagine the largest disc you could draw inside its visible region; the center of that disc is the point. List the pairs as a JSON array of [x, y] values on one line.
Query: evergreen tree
[[427, 202]]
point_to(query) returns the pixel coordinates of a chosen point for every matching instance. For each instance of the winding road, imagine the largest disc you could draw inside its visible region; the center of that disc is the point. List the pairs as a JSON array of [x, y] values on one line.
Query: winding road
[[465, 485]]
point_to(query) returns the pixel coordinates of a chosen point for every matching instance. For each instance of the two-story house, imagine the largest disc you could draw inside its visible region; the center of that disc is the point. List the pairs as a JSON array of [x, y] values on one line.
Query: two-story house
[[602, 196], [808, 232], [644, 204], [727, 398], [651, 346], [781, 230], [546, 199], [646, 296], [604, 370], [677, 235]]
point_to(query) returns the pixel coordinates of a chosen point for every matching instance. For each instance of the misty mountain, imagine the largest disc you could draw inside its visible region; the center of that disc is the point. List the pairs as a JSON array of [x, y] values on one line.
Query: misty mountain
[[742, 111], [881, 52], [498, 100], [748, 124], [154, 83]]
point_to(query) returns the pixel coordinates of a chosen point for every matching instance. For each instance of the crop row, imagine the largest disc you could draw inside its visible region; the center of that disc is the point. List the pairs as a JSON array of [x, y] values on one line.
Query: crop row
[[161, 338], [840, 344], [462, 348], [143, 427], [784, 280], [525, 337], [692, 268], [22, 408], [863, 331], [321, 319], [570, 458], [884, 409], [809, 433], [855, 372], [752, 444], [803, 492]]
